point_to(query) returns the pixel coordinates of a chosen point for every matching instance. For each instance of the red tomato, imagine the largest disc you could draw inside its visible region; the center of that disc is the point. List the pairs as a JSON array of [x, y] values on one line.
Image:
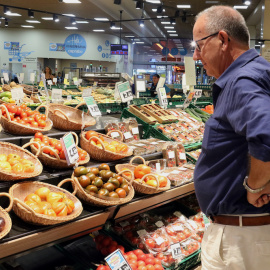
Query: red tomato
[[23, 114], [121, 248], [157, 261], [158, 267], [21, 122], [34, 124], [133, 266], [137, 252], [106, 241], [41, 123], [142, 267], [43, 117], [141, 170], [133, 262], [19, 111], [150, 267], [141, 263], [11, 108], [149, 261], [37, 117], [101, 267], [23, 106], [132, 256], [99, 238], [58, 146], [29, 112], [151, 256], [111, 248], [104, 251], [150, 243], [90, 134], [62, 155], [39, 135], [141, 257]]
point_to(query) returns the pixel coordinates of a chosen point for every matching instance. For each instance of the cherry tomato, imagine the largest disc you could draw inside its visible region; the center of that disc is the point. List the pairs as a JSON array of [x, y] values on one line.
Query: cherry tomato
[[34, 124], [23, 114], [43, 117], [29, 112], [41, 123], [58, 146], [150, 243], [19, 111], [39, 135]]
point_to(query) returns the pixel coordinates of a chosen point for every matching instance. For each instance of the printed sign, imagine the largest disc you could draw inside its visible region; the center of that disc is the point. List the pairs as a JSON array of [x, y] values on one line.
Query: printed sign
[[162, 96], [75, 45], [92, 106], [176, 250], [125, 92], [17, 94], [6, 78], [56, 94], [70, 148], [198, 93], [117, 261]]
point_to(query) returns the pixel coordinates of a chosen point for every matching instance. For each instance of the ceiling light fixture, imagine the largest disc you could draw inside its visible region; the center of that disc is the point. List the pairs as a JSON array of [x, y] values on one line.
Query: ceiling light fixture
[[139, 4], [165, 22], [32, 21], [117, 28], [117, 2], [55, 18], [82, 22], [102, 19], [30, 14], [72, 21], [162, 16], [112, 25], [246, 2], [140, 42], [27, 26], [71, 27], [174, 35], [99, 30], [69, 15], [183, 6], [72, 1], [141, 23], [169, 27], [171, 31], [240, 7], [6, 23], [6, 10], [47, 18]]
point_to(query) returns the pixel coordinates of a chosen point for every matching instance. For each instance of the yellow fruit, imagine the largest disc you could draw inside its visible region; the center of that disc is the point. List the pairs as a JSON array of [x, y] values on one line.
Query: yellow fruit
[[17, 168], [110, 148], [3, 157], [26, 161], [152, 183], [13, 161], [29, 167], [15, 156], [114, 143], [5, 166]]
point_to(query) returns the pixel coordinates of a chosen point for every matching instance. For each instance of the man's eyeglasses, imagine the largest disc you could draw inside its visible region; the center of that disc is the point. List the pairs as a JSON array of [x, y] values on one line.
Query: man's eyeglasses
[[197, 47]]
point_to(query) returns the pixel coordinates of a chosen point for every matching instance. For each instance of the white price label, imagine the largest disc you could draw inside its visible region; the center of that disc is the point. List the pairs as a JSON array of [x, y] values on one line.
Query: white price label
[[158, 167], [56, 94], [80, 81], [141, 233], [115, 134], [198, 93], [183, 156], [176, 250], [159, 240], [154, 143], [17, 94], [92, 106], [6, 78], [32, 77], [177, 214], [171, 154], [135, 131], [178, 228], [182, 169], [162, 96], [124, 223], [87, 92], [50, 82], [70, 148], [125, 91], [55, 80], [66, 76], [128, 135], [69, 97], [140, 144], [117, 261], [159, 224]]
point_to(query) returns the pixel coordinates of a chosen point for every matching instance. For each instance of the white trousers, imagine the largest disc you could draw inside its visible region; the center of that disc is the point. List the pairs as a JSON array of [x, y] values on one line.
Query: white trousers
[[236, 248]]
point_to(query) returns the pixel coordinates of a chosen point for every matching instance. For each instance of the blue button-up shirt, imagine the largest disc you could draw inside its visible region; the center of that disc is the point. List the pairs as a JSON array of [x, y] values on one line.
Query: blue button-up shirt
[[239, 127]]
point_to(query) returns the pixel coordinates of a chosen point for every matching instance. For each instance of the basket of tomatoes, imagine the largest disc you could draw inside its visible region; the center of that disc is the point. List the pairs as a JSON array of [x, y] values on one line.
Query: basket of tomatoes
[[100, 186], [17, 163], [44, 204], [146, 180], [68, 118], [51, 153], [103, 148], [5, 220], [22, 120]]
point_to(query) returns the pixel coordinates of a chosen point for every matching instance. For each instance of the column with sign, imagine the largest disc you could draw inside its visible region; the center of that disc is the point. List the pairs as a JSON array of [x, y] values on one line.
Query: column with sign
[[70, 148], [162, 96], [92, 106], [125, 92]]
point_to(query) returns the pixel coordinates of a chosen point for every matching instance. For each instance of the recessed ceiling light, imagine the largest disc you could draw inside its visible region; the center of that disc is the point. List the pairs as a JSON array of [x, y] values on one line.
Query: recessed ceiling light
[[82, 22], [160, 16], [69, 15], [71, 27], [183, 6], [166, 22], [174, 35], [129, 36], [13, 14], [32, 21], [140, 42], [99, 30], [155, 10], [240, 7], [27, 26], [171, 31], [102, 19], [116, 28], [169, 27], [47, 18], [72, 1]]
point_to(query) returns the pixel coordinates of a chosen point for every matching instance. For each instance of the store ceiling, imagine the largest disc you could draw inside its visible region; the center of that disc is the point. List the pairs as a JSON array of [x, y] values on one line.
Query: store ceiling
[[153, 32]]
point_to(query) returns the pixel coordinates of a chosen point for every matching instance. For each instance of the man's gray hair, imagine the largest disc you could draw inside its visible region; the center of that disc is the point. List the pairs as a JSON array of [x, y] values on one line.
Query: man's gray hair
[[228, 19]]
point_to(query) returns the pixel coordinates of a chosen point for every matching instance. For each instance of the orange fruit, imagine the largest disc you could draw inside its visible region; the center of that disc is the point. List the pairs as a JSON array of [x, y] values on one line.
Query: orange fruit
[[18, 168], [110, 148]]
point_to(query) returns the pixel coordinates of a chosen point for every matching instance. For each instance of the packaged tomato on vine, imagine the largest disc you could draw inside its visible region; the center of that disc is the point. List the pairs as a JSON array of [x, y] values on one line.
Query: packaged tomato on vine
[[178, 232], [123, 127], [134, 128], [169, 155], [189, 246], [180, 153]]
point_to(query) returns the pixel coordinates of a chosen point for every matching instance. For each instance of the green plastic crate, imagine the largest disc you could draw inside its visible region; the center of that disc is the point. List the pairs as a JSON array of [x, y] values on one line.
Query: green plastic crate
[[189, 262]]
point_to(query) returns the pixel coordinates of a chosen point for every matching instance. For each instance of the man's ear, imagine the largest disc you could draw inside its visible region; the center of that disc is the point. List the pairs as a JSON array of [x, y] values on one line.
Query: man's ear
[[224, 39]]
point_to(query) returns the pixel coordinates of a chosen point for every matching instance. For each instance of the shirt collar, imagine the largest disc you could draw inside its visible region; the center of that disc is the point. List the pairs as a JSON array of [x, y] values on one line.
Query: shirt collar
[[241, 61]]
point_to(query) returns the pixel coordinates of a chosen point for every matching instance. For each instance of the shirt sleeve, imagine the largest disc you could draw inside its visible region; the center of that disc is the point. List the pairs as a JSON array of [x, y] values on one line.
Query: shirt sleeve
[[249, 114]]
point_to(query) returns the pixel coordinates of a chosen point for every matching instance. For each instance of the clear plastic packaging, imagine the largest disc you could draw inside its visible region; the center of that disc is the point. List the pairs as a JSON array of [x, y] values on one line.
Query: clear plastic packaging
[[178, 175], [134, 128], [169, 155], [123, 127], [180, 154], [157, 164]]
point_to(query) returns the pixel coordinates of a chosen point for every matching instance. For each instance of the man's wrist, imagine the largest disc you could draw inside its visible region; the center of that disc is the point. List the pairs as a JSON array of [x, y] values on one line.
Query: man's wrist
[[251, 189]]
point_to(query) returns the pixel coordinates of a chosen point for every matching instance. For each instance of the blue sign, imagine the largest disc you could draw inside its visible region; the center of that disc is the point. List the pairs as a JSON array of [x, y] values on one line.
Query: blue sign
[[52, 47], [7, 45], [107, 55], [75, 45], [103, 55], [107, 43], [165, 51], [174, 51], [183, 51], [116, 261], [99, 48]]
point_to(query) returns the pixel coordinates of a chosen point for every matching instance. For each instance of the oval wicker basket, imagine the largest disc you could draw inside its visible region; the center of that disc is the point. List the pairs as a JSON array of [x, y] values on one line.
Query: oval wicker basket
[[29, 89], [4, 214], [20, 129], [87, 197], [53, 162], [121, 139], [6, 87], [68, 118], [9, 148], [21, 190], [101, 154], [140, 186]]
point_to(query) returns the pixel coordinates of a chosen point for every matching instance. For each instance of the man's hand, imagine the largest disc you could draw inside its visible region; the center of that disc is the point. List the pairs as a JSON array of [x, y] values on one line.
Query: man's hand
[[261, 198]]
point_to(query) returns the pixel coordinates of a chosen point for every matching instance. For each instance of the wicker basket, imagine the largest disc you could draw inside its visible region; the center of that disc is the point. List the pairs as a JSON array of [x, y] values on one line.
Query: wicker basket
[[4, 214], [87, 197], [6, 87], [29, 89], [8, 148], [101, 154], [68, 118], [130, 166], [20, 129], [53, 162], [121, 139], [21, 190]]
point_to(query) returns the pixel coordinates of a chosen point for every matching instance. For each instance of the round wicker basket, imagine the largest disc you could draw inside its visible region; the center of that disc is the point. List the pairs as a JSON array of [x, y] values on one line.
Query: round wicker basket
[[8, 148], [4, 214], [29, 89], [6, 87], [21, 190], [130, 166], [68, 118], [53, 162], [101, 154], [87, 197], [20, 129]]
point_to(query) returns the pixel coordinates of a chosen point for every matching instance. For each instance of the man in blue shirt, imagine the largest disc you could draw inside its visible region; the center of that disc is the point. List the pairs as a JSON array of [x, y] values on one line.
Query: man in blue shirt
[[233, 171]]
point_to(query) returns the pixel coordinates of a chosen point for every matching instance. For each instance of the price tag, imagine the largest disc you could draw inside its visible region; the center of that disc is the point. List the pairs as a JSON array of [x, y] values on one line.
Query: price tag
[[6, 78], [198, 93], [92, 106], [66, 82], [182, 169], [87, 92], [158, 167], [206, 221], [17, 94], [56, 94], [67, 76], [116, 261], [95, 84], [162, 96], [41, 84], [178, 228], [159, 240], [75, 79], [177, 214], [50, 82], [141, 233], [70, 148], [128, 135], [80, 81], [69, 97], [171, 154], [32, 77], [153, 143], [125, 92], [135, 131], [183, 156], [159, 224], [124, 223], [115, 134], [55, 80], [176, 250], [140, 144]]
